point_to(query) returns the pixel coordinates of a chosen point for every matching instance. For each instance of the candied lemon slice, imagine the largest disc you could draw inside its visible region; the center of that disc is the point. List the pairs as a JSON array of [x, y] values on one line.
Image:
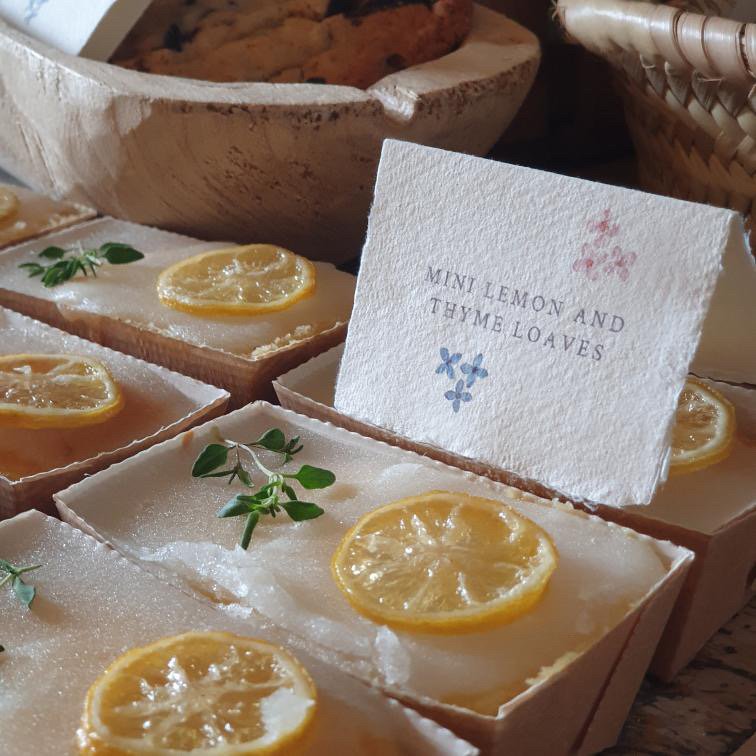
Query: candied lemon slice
[[247, 280], [201, 693], [55, 391], [8, 204], [444, 563], [704, 428]]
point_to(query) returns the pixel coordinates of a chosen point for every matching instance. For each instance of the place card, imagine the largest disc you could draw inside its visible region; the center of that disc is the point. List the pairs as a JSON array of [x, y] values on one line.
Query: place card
[[92, 29], [535, 322]]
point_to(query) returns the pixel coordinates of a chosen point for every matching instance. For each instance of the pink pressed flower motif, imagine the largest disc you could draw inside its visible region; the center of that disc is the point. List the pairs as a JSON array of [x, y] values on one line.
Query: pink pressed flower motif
[[604, 228], [620, 263], [596, 259]]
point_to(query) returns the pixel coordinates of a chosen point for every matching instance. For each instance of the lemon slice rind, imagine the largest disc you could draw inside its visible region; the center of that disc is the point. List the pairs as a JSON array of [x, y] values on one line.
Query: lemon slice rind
[[96, 737], [193, 286], [700, 402], [63, 370], [515, 601]]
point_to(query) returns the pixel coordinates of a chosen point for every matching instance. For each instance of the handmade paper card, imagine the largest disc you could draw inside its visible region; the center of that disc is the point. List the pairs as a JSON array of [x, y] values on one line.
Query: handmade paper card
[[535, 322], [91, 28]]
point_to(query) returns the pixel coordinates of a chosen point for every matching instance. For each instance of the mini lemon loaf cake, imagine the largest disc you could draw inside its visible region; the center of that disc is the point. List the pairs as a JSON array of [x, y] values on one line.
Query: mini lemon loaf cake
[[352, 42], [435, 584], [710, 489], [227, 314], [25, 214], [99, 656], [69, 407], [707, 504]]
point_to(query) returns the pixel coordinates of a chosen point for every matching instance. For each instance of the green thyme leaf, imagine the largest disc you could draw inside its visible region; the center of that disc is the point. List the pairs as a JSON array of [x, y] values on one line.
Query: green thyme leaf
[[53, 253], [120, 254], [67, 263], [313, 477], [56, 274], [249, 527], [234, 507], [294, 446], [220, 474], [268, 498], [272, 440], [302, 510], [211, 458], [24, 593], [34, 269]]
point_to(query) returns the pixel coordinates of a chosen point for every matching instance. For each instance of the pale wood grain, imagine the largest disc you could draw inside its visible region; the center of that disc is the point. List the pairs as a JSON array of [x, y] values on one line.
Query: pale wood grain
[[709, 709], [286, 163]]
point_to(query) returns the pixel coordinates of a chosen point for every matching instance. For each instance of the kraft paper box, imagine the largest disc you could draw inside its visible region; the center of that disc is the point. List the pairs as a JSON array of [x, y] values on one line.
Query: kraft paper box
[[92, 605], [538, 329], [90, 28], [240, 354], [578, 655], [36, 215], [722, 578], [159, 404]]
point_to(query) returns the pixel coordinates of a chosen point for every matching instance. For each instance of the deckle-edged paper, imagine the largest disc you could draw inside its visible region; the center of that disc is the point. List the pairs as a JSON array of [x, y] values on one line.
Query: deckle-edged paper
[[535, 322], [90, 28]]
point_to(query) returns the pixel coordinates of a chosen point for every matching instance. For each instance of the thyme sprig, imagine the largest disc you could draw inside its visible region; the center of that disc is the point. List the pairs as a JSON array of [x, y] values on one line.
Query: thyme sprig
[[25, 593], [68, 262], [276, 494]]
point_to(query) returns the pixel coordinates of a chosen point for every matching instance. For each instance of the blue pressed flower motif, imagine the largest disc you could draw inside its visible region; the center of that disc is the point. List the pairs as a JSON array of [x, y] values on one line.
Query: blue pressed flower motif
[[447, 362], [458, 395], [474, 371], [33, 8]]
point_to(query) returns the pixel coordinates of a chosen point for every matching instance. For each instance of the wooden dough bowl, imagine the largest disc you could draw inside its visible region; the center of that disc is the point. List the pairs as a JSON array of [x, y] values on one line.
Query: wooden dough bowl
[[291, 164]]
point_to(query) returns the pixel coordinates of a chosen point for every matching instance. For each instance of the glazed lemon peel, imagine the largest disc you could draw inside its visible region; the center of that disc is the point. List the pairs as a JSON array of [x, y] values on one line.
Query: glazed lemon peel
[[444, 562], [56, 391], [248, 280], [704, 428], [210, 693]]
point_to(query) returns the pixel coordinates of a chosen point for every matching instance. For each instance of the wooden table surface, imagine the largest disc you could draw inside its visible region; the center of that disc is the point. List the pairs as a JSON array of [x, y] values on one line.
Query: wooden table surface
[[708, 709]]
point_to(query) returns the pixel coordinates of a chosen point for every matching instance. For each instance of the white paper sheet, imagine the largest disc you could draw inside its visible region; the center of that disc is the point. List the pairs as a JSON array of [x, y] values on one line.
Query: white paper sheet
[[536, 322], [90, 28]]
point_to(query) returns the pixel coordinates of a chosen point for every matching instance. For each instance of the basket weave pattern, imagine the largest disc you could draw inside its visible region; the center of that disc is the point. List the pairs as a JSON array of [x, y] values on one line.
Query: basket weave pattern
[[687, 81]]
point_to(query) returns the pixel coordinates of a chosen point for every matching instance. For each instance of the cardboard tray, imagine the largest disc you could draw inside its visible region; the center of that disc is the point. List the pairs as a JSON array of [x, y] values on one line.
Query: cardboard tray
[[721, 581], [587, 697], [36, 491]]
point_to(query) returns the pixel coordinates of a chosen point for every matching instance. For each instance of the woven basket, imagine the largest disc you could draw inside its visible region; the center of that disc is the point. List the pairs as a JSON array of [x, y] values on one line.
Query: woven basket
[[687, 81]]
